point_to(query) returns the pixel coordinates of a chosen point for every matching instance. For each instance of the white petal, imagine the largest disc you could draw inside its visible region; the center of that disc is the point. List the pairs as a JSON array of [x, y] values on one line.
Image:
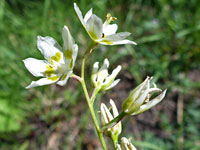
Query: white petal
[[126, 144], [104, 68], [95, 68], [117, 36], [143, 94], [137, 97], [116, 39], [123, 42], [114, 108], [88, 15], [40, 82], [153, 90], [151, 103], [35, 66], [141, 86], [79, 13], [105, 64], [118, 126], [70, 49], [110, 78], [94, 73], [75, 53], [118, 147], [67, 39], [133, 147], [135, 93], [106, 115], [112, 85], [94, 27], [64, 79], [48, 46], [110, 29], [104, 119], [103, 71], [115, 72]]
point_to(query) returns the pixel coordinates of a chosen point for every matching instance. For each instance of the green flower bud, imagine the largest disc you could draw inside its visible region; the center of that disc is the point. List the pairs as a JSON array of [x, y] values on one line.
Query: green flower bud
[[139, 99]]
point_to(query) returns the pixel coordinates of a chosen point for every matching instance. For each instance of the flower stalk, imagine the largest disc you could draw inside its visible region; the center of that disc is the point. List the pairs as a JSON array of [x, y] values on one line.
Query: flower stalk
[[94, 94], [90, 101]]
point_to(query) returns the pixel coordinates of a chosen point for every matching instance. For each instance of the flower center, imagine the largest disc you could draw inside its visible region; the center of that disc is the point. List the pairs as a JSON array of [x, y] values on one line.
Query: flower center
[[62, 69]]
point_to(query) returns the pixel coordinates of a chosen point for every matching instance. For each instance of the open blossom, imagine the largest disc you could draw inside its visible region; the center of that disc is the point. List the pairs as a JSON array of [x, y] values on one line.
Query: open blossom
[[106, 117], [101, 78], [139, 99], [103, 33], [125, 144], [58, 64]]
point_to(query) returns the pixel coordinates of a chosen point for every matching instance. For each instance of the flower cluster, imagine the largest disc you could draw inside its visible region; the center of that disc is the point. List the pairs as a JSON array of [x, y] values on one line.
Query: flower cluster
[[60, 61]]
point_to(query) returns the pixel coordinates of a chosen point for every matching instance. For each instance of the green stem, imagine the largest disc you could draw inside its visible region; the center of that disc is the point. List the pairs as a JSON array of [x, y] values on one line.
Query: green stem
[[114, 121], [76, 77], [94, 94], [92, 46], [89, 101], [115, 140], [83, 68]]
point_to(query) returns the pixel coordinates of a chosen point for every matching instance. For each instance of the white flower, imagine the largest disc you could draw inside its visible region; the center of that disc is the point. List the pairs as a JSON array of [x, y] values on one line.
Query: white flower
[[125, 144], [106, 117], [101, 79], [59, 63], [139, 99], [103, 33]]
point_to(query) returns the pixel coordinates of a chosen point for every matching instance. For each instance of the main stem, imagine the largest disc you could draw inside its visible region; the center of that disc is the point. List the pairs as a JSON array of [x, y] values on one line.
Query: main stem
[[90, 105]]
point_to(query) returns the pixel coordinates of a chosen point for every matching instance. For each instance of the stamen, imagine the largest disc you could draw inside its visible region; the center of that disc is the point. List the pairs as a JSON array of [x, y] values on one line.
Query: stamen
[[109, 19]]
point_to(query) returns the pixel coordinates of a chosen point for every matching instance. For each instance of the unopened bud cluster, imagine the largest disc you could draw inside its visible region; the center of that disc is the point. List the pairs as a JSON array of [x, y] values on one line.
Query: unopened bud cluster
[[101, 78]]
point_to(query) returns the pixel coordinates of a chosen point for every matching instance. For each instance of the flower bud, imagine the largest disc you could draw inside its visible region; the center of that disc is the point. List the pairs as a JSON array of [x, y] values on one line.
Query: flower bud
[[125, 144], [139, 99], [106, 117], [101, 78]]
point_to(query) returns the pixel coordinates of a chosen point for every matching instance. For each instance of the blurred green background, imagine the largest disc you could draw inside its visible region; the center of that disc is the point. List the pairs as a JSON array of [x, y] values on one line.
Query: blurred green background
[[53, 117]]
